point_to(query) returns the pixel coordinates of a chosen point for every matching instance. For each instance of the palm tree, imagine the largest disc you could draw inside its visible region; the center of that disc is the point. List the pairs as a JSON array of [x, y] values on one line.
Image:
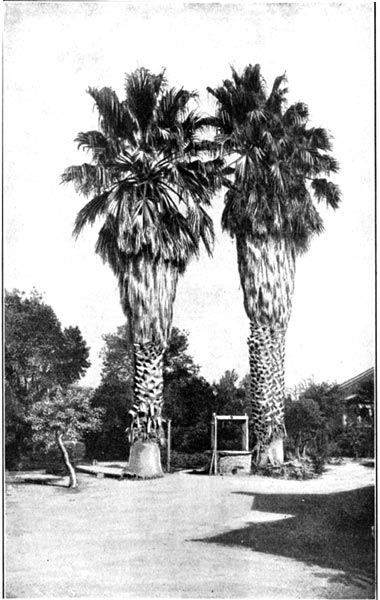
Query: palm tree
[[149, 181], [279, 168]]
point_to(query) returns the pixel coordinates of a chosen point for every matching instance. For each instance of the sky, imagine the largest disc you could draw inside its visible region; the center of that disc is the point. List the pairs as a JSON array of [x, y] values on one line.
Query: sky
[[54, 51]]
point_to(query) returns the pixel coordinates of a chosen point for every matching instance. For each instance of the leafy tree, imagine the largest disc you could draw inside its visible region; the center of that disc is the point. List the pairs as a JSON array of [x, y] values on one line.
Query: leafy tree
[[115, 393], [189, 404], [188, 397], [74, 351], [39, 355], [280, 167], [357, 440], [303, 421], [317, 418], [149, 182], [358, 436], [16, 430], [117, 357], [331, 404], [61, 416], [366, 390], [230, 399], [114, 396], [177, 361]]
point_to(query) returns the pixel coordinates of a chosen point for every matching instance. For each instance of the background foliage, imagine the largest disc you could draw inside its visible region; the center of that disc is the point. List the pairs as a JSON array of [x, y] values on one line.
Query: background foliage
[[41, 356]]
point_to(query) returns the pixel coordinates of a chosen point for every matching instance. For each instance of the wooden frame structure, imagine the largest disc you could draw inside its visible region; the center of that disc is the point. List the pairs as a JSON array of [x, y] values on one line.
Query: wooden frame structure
[[168, 444], [214, 437]]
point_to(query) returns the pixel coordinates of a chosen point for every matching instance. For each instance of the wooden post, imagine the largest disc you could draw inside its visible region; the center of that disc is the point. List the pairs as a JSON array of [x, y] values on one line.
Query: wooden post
[[169, 444], [215, 444], [245, 440]]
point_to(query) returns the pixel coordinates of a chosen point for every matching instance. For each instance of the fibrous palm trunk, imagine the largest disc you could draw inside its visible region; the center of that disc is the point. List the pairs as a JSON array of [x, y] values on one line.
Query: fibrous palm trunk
[[267, 269], [148, 294], [145, 459]]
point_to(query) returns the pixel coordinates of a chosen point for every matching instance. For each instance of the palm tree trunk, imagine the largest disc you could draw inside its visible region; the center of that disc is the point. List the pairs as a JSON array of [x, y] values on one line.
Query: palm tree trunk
[[145, 458], [148, 290], [66, 460], [149, 382], [267, 269], [267, 394]]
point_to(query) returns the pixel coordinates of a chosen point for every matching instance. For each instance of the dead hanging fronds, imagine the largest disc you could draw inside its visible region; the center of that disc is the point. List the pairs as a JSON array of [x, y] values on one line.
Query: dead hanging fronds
[[148, 289]]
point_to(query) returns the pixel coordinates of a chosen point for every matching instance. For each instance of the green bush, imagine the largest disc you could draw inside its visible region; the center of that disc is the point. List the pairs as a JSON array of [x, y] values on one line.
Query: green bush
[[334, 449], [182, 460], [357, 441], [319, 460], [303, 469]]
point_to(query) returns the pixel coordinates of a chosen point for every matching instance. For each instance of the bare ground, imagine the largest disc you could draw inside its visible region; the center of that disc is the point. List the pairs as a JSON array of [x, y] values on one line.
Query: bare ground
[[193, 536]]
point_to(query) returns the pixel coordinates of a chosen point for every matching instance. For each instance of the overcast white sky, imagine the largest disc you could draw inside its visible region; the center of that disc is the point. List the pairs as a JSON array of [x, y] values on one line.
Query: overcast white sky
[[54, 51]]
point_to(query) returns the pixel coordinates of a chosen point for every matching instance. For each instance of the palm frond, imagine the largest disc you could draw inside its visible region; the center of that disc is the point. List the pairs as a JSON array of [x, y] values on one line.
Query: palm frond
[[86, 178], [91, 140], [276, 158], [101, 148], [328, 191], [141, 90], [113, 120], [173, 105], [108, 248], [296, 115], [277, 96], [97, 207], [319, 138], [253, 80]]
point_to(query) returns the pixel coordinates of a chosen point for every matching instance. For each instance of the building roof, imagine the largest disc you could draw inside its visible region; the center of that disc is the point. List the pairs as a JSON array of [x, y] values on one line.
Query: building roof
[[350, 386]]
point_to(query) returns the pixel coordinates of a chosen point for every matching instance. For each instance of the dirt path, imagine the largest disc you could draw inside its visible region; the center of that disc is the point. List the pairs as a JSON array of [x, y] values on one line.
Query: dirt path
[[190, 536]]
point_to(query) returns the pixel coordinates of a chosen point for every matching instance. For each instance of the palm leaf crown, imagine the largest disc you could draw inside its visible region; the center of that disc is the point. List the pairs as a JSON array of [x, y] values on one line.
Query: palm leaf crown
[[279, 164], [148, 178]]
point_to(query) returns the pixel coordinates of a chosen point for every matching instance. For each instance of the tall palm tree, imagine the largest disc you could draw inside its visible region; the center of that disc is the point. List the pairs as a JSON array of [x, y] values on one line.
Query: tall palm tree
[[149, 181], [279, 167]]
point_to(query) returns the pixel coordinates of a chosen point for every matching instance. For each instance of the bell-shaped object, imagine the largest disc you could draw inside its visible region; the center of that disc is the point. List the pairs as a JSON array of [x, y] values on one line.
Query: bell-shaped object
[[144, 461]]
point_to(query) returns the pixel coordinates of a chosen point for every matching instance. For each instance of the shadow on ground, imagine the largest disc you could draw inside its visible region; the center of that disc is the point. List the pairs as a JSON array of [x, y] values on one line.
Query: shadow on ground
[[47, 480], [329, 530], [368, 463]]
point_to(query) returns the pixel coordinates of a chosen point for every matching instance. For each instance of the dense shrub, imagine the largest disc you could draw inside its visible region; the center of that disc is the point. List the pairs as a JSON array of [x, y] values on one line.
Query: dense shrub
[[182, 460], [357, 441], [111, 441], [303, 469], [39, 354]]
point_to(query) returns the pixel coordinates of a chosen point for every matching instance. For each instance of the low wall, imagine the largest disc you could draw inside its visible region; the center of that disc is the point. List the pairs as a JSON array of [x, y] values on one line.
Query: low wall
[[231, 463]]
